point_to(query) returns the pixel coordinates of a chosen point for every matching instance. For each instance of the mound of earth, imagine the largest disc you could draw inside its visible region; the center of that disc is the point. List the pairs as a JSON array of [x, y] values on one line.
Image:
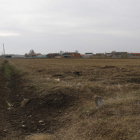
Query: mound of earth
[[43, 114]]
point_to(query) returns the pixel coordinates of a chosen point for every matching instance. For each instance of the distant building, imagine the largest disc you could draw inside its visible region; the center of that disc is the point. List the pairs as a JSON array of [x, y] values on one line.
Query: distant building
[[87, 55], [53, 55], [109, 55], [133, 55], [41, 56], [82, 55], [8, 55], [99, 54], [18, 56], [120, 55], [59, 56], [71, 55], [67, 55], [12, 56], [36, 55], [75, 55], [117, 55]]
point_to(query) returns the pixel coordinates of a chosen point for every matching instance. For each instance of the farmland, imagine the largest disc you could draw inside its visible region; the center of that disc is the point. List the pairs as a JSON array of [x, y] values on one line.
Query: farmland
[[65, 109]]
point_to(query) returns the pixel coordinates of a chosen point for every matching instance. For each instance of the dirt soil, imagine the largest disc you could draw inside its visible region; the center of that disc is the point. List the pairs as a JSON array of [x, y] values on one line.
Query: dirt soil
[[3, 107], [66, 110], [41, 114]]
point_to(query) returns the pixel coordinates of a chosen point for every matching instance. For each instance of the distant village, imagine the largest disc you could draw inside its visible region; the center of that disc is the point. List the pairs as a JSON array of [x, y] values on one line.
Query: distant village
[[75, 54]]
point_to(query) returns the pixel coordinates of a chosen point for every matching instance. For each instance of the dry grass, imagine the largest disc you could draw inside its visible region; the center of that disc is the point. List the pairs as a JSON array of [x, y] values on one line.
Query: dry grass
[[40, 137], [116, 80]]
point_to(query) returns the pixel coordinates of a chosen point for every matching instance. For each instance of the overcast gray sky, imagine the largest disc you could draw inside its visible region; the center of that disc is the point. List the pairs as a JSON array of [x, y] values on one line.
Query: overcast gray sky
[[48, 26]]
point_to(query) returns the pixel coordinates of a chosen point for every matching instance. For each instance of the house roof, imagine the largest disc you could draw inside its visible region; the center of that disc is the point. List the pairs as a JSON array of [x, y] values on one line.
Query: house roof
[[88, 53], [70, 53], [135, 53], [120, 52], [99, 53], [117, 53], [36, 54], [53, 53]]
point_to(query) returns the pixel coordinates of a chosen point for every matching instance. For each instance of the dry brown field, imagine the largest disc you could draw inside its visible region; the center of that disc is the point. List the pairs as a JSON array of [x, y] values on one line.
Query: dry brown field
[[67, 107]]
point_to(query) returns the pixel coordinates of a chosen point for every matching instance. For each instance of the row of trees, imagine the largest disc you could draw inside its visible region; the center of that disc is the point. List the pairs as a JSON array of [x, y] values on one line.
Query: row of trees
[[31, 52]]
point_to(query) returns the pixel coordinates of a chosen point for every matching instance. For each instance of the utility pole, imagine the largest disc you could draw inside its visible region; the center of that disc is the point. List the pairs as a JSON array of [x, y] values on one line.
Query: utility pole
[[3, 50]]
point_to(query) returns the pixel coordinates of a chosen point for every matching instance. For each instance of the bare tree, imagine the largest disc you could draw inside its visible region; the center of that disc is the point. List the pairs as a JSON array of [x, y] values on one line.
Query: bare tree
[[26, 55], [31, 52], [76, 51]]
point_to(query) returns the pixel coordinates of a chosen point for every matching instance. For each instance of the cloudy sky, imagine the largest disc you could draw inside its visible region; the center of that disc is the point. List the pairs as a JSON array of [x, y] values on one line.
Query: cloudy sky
[[48, 26]]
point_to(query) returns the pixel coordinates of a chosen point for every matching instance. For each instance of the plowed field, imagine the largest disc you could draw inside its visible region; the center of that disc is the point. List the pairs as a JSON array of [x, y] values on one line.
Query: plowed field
[[65, 109]]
